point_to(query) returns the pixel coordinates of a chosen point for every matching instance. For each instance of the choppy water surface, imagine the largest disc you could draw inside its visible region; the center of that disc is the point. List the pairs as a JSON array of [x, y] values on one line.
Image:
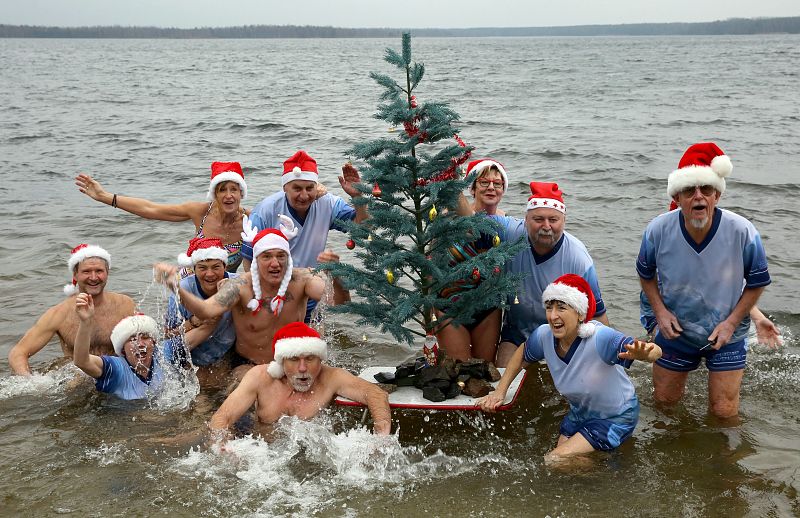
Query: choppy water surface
[[605, 117]]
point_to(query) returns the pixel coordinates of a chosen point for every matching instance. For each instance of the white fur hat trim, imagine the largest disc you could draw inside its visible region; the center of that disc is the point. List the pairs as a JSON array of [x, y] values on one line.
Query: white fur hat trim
[[292, 347], [696, 175], [131, 326], [227, 176]]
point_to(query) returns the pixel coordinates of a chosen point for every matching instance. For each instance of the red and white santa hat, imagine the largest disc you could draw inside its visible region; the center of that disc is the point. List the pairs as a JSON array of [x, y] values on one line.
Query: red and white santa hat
[[226, 172], [292, 340], [546, 195], [702, 164], [299, 166], [203, 249], [261, 241], [476, 167], [574, 291], [78, 254], [131, 326]]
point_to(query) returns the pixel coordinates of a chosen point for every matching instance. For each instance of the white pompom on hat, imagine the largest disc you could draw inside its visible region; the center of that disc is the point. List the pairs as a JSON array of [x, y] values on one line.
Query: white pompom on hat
[[203, 249], [269, 239], [131, 326], [574, 291], [226, 172], [295, 339], [81, 253], [702, 164]]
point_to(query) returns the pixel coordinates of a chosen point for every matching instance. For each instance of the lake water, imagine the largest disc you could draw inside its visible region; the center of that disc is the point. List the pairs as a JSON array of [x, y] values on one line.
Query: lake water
[[608, 118]]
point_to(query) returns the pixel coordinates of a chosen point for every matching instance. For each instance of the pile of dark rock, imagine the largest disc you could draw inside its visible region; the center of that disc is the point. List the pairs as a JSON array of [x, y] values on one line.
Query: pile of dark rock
[[445, 380]]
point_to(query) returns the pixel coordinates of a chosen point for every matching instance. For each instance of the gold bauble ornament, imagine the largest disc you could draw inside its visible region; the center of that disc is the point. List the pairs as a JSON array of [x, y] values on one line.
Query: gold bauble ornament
[[432, 213], [496, 240], [390, 276]]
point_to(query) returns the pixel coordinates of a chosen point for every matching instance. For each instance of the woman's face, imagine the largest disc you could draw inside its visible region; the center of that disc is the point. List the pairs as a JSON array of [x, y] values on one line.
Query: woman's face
[[488, 189], [228, 196], [562, 318]]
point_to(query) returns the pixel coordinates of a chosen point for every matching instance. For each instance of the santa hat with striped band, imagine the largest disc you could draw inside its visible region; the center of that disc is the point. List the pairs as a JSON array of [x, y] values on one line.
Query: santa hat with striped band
[[299, 166], [269, 239], [477, 167], [702, 164], [292, 340], [574, 291], [226, 172], [203, 249], [131, 326], [546, 195], [78, 254]]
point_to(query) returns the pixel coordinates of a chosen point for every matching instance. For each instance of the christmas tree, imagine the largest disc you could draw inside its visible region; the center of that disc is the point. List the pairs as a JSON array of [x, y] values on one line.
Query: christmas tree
[[414, 247]]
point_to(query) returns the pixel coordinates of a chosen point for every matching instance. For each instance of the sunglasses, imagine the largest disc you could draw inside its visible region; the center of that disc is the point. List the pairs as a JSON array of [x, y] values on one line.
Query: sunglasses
[[485, 183], [705, 190]]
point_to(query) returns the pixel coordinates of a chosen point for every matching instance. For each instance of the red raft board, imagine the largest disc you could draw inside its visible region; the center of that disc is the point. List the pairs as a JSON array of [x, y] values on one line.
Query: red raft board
[[411, 397]]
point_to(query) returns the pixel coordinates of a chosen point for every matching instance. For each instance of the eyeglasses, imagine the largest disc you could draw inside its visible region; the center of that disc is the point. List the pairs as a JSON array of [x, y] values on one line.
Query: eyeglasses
[[498, 184], [705, 190]]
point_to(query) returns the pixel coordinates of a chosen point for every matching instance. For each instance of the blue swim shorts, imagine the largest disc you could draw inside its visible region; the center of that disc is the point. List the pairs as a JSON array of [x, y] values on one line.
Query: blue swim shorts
[[602, 434], [681, 357]]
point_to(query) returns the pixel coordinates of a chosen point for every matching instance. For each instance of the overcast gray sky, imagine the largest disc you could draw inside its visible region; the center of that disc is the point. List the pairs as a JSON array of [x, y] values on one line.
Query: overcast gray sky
[[379, 13]]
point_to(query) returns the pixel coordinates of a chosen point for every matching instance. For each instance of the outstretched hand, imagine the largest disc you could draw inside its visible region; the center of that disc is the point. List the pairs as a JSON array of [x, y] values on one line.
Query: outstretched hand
[[84, 306], [767, 333], [166, 274], [349, 178], [642, 351], [89, 186]]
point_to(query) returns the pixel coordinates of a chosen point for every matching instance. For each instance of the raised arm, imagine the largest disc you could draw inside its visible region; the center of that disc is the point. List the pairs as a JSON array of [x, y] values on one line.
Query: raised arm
[[239, 401], [227, 296], [193, 210], [35, 339], [88, 363], [340, 294], [366, 393], [347, 180]]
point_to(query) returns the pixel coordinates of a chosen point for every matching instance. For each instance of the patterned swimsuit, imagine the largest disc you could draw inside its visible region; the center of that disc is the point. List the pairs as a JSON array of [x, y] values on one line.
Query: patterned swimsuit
[[234, 249]]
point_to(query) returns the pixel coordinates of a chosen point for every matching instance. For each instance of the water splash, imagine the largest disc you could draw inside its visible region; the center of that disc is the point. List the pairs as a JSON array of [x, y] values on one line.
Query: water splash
[[56, 380]]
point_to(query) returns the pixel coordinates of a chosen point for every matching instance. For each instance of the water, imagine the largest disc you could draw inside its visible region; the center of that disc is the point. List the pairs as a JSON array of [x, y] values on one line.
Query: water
[[608, 118]]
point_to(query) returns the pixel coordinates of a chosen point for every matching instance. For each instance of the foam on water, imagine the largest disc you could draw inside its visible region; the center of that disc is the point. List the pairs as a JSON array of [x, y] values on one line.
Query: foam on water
[[38, 384]]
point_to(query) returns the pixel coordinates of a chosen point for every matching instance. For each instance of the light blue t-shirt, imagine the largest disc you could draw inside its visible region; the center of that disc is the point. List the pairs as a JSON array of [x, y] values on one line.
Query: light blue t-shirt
[[119, 378], [569, 255], [591, 375], [221, 339], [312, 234], [702, 283]]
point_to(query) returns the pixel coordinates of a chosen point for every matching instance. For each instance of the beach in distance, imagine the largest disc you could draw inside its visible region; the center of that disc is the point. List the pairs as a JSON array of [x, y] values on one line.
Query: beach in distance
[[606, 117]]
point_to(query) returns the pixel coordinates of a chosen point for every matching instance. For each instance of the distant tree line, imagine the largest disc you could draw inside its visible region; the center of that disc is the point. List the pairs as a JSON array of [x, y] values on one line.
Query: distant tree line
[[788, 25]]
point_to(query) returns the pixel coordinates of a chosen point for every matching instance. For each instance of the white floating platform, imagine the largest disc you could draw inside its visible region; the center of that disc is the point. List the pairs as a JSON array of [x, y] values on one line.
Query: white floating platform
[[411, 397]]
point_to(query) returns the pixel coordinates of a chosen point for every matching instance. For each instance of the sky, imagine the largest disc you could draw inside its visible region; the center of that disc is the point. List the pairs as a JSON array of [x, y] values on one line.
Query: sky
[[381, 13]]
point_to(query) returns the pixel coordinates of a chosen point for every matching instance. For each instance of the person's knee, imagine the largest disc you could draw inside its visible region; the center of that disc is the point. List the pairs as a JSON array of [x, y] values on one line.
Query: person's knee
[[724, 407], [504, 353], [667, 394]]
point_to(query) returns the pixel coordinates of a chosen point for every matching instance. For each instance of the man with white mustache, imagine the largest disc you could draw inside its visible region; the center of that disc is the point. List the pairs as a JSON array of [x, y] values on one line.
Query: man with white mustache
[[553, 252], [297, 382], [702, 269]]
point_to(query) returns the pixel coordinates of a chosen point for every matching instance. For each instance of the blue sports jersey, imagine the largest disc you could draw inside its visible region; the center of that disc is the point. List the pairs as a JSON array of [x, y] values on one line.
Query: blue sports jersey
[[221, 339], [591, 375], [119, 378], [312, 233], [569, 255], [702, 283]]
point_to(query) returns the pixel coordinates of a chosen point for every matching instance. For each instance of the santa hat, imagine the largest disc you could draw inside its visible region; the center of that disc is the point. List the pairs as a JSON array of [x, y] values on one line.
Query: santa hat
[[78, 254], [701, 164], [269, 239], [546, 195], [226, 172], [203, 249], [299, 166], [574, 291], [477, 167], [131, 326], [292, 340]]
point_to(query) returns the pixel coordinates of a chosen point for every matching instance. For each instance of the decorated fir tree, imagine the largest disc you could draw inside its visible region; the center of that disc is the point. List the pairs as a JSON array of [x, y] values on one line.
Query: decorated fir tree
[[417, 253]]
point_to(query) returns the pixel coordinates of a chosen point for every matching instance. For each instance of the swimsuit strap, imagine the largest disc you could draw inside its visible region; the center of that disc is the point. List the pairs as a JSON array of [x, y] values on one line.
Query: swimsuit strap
[[203, 221]]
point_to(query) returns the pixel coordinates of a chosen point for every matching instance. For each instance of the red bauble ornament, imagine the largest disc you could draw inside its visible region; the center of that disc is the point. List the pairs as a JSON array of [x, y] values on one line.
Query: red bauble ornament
[[496, 270], [476, 274], [376, 190], [350, 244]]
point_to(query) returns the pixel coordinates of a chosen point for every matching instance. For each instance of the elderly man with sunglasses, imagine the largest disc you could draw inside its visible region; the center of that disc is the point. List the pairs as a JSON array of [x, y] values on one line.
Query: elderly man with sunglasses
[[702, 269]]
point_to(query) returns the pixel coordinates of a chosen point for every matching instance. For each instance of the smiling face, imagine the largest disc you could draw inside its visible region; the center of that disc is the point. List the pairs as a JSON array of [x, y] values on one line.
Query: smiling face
[[697, 205], [272, 265], [228, 196], [91, 275], [488, 189], [138, 350], [302, 371], [545, 227], [563, 320], [300, 194], [209, 273]]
